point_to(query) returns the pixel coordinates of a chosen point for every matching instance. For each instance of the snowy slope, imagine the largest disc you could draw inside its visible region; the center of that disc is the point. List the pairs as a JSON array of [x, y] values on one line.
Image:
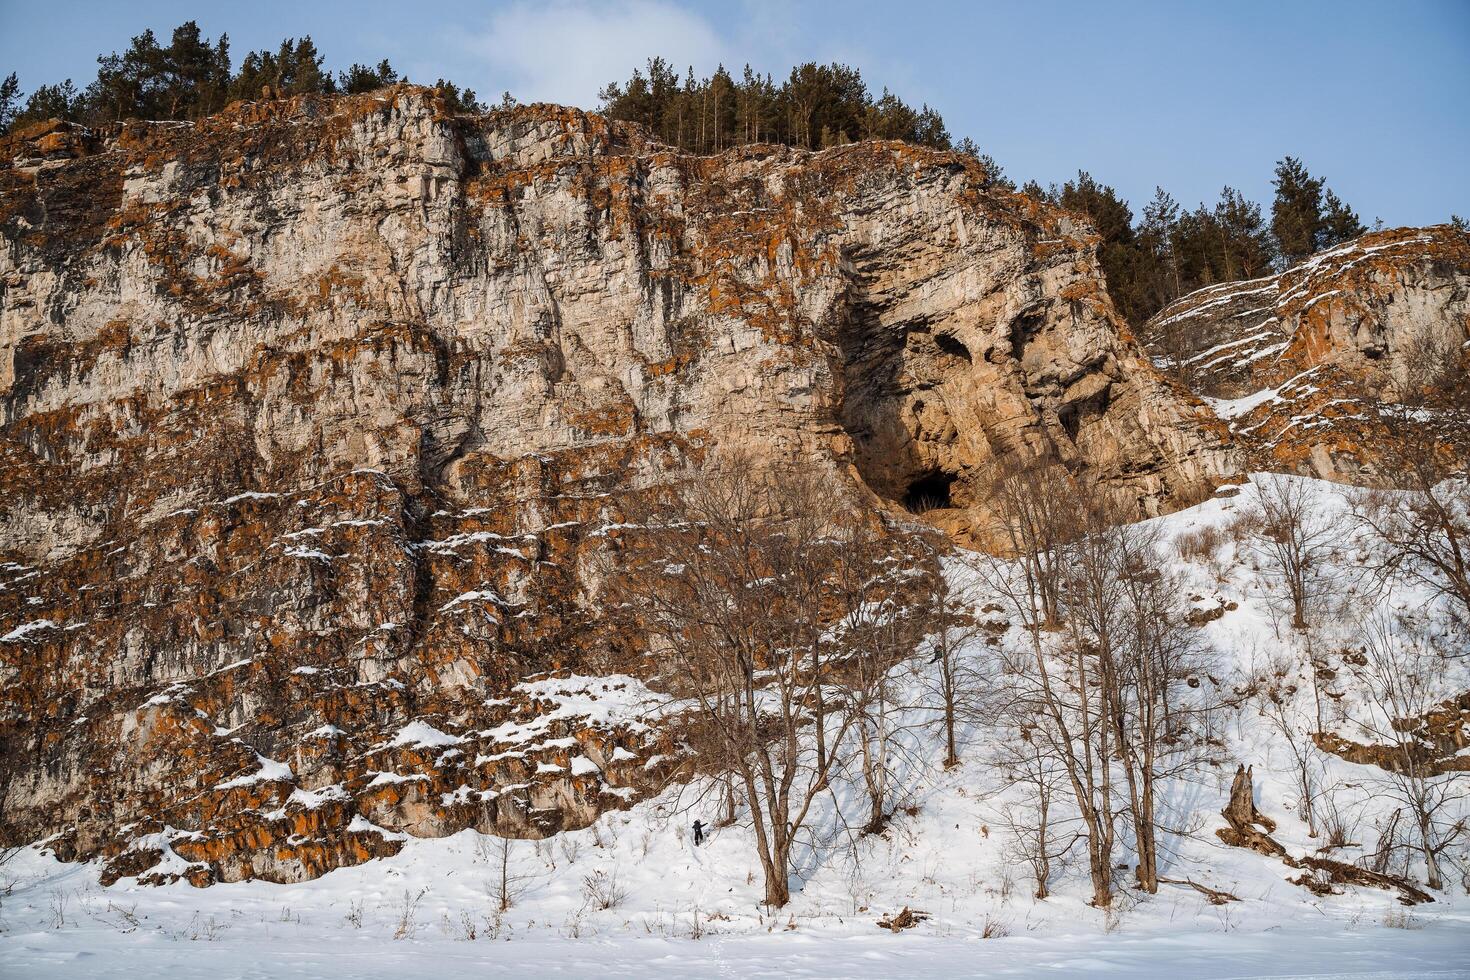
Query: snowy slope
[[680, 911]]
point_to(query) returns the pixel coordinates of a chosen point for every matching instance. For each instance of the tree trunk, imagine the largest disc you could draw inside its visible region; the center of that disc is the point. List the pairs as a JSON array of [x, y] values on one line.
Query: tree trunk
[[873, 779], [1432, 875], [952, 755], [1148, 851], [1100, 865]]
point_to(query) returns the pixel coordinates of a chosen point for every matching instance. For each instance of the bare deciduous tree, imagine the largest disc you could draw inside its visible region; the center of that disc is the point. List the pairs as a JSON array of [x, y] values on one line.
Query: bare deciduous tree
[[1053, 688], [1423, 528], [1400, 672], [1111, 693], [1160, 706], [730, 580], [505, 885], [1293, 534], [961, 687], [870, 581], [1039, 835], [1274, 696]]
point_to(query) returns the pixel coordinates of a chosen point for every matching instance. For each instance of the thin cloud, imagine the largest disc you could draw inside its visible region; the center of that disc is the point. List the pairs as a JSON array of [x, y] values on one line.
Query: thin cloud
[[566, 51]]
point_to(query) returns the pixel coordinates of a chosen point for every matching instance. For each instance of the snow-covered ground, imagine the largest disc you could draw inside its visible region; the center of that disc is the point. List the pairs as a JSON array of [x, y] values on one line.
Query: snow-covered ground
[[673, 909]]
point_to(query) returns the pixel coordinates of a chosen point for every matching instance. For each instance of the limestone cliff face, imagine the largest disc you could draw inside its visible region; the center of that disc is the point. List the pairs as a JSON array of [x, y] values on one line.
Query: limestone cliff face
[[1301, 358], [315, 413]]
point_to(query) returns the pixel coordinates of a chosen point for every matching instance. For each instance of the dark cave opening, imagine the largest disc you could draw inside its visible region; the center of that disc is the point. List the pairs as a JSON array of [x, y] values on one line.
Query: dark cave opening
[[929, 491], [953, 347], [1070, 417]]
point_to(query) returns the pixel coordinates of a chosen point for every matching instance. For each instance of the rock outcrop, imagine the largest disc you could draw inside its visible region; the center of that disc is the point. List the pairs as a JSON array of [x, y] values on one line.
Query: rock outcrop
[[316, 413], [1297, 363]]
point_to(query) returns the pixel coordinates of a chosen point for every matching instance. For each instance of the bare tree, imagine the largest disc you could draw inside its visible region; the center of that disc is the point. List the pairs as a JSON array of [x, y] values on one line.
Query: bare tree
[[1400, 673], [1423, 535], [870, 582], [1113, 694], [505, 885], [1423, 529], [1038, 832], [1053, 693], [1295, 536], [1274, 696], [718, 582], [1158, 717], [1035, 517], [960, 686]]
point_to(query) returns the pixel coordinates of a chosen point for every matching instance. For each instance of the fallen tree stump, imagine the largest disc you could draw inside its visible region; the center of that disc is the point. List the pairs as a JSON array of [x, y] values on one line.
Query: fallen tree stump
[[906, 919], [1342, 873], [1245, 830]]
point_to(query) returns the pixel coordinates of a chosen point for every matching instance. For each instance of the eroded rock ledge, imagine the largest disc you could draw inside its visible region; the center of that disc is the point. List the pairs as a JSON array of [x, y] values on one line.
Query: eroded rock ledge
[[1299, 363]]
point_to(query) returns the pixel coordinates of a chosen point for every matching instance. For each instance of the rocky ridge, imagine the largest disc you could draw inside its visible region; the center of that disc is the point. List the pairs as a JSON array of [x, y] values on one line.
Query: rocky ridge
[[1298, 363], [317, 414]]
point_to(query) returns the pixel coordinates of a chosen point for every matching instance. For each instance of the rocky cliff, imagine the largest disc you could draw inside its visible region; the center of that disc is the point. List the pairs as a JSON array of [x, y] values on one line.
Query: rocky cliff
[[316, 412], [1297, 363]]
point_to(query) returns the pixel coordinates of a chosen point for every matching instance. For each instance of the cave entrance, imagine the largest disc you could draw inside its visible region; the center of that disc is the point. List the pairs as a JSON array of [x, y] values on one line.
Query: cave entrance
[[929, 492]]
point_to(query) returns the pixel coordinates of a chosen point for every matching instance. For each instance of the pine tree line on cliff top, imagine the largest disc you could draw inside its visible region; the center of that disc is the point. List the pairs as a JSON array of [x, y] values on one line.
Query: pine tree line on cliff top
[[817, 106], [1170, 251], [1167, 252], [192, 76]]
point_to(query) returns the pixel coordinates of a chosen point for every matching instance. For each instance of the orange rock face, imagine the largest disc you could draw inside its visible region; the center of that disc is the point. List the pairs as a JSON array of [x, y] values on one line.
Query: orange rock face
[[1300, 363], [317, 412]]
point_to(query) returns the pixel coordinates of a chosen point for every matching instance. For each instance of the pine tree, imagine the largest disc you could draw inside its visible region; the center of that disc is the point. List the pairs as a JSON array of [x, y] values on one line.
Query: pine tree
[[301, 69], [61, 101], [1296, 214], [1245, 245], [191, 77], [1156, 234], [817, 106], [361, 78], [1119, 255], [9, 101], [125, 82], [457, 100], [1339, 223]]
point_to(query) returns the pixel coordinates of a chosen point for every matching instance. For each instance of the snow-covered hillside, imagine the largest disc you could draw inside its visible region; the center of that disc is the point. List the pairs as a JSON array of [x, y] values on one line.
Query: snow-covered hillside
[[632, 895]]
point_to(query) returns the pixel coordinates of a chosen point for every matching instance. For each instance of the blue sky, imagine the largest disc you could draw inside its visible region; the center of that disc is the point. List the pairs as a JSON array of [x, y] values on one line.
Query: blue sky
[[1374, 96]]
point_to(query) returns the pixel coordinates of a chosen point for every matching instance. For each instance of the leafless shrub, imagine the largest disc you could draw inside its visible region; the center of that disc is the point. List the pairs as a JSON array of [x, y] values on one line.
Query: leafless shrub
[[574, 927], [1200, 544], [1423, 536], [407, 908], [602, 890], [1293, 535], [354, 913], [1274, 697], [495, 924], [128, 915], [1338, 828], [464, 928], [1400, 670], [57, 906], [1401, 919], [207, 929]]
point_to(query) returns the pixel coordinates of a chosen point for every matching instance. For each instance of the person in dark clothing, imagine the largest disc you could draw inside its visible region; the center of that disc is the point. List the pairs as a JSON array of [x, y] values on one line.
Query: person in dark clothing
[[698, 833]]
